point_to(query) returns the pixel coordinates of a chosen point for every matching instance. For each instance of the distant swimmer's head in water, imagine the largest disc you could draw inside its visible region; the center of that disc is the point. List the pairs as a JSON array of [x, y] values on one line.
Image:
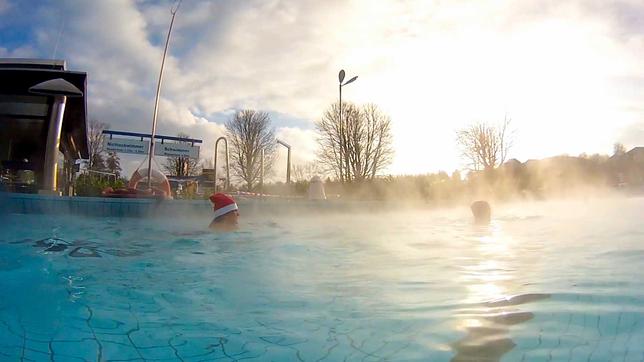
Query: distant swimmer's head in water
[[481, 211], [226, 213]]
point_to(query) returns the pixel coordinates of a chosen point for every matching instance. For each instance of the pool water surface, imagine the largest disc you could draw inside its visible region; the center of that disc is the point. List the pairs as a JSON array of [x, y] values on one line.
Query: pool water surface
[[557, 281]]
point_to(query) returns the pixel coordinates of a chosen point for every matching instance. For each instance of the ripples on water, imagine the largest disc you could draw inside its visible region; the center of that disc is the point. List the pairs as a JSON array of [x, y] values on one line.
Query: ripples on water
[[553, 281]]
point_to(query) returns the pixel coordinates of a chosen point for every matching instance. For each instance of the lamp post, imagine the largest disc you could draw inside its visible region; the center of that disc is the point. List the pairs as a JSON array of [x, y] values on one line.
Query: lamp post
[[60, 90], [342, 140], [173, 11]]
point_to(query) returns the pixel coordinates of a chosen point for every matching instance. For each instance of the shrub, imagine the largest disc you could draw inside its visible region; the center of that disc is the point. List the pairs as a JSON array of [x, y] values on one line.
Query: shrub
[[89, 185]]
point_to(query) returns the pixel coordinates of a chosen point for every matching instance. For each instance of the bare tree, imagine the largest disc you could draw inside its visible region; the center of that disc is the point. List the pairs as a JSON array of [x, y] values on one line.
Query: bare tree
[[180, 165], [358, 146], [306, 171], [95, 143], [375, 142], [619, 149], [249, 132], [332, 139], [485, 146]]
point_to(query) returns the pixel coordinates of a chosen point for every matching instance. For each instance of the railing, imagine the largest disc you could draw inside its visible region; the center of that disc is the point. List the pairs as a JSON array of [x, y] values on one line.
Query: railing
[[288, 160], [261, 162], [261, 174], [227, 184], [101, 173]]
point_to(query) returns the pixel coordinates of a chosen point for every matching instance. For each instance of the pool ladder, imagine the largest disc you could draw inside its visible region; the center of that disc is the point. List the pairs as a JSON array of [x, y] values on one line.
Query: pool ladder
[[227, 184], [261, 177]]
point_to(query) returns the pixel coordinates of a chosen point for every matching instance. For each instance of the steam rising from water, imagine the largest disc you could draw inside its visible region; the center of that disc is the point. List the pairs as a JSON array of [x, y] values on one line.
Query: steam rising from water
[[398, 283]]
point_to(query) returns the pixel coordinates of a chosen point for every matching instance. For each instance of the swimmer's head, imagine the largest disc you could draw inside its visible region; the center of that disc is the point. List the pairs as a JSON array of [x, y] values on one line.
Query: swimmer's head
[[481, 211], [226, 212]]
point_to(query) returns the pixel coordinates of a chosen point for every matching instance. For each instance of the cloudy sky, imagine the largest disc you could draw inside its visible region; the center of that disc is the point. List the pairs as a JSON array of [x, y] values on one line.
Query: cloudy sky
[[569, 74]]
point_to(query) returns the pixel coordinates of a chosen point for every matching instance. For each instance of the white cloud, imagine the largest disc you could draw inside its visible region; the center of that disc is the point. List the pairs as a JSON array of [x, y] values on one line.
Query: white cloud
[[563, 71], [4, 6], [25, 51]]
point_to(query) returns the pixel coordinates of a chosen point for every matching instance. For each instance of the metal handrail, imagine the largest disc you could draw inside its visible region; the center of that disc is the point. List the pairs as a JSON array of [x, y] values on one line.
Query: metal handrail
[[288, 160], [261, 173], [227, 185], [101, 173]]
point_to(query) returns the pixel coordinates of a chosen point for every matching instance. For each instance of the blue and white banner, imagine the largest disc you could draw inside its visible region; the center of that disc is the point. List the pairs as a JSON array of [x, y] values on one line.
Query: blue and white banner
[[125, 145], [176, 150]]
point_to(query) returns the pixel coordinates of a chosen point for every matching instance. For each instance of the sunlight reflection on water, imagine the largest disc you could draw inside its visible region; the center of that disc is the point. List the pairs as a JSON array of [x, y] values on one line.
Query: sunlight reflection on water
[[539, 281]]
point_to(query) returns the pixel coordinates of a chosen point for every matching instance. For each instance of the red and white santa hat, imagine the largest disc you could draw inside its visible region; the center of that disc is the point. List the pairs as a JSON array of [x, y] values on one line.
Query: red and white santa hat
[[223, 204]]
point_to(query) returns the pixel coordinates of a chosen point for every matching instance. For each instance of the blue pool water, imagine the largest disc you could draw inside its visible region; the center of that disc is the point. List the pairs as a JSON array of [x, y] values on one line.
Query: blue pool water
[[550, 281]]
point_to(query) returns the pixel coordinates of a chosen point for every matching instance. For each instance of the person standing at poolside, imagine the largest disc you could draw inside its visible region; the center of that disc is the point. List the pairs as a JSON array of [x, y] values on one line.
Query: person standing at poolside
[[226, 213]]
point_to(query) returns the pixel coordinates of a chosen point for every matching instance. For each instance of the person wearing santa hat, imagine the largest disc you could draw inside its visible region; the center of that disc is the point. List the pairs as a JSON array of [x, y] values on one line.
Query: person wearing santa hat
[[226, 213]]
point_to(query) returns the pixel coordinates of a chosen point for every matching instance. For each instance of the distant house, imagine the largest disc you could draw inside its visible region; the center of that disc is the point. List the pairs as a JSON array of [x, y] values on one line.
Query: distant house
[[512, 164], [628, 169], [565, 174], [636, 155]]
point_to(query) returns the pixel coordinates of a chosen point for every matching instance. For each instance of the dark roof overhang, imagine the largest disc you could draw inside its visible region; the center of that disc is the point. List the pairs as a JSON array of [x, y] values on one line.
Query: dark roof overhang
[[18, 79]]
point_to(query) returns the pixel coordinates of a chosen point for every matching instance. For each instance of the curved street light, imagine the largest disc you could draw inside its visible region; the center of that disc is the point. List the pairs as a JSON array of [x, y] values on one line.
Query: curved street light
[[343, 144]]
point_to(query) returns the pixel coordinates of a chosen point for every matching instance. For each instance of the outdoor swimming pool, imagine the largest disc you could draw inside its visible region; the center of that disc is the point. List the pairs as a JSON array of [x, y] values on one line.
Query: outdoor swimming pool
[[548, 281]]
